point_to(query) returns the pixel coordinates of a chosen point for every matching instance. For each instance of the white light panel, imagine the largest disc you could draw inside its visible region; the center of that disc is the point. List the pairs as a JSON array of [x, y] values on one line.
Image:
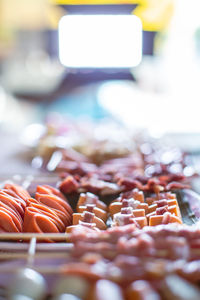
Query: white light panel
[[100, 41]]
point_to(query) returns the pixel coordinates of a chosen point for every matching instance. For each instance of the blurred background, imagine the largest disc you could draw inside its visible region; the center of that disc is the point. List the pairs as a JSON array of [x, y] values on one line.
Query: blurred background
[[160, 93]]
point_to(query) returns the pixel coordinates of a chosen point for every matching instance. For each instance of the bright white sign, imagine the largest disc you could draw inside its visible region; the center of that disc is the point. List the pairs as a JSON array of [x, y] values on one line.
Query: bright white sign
[[100, 41]]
